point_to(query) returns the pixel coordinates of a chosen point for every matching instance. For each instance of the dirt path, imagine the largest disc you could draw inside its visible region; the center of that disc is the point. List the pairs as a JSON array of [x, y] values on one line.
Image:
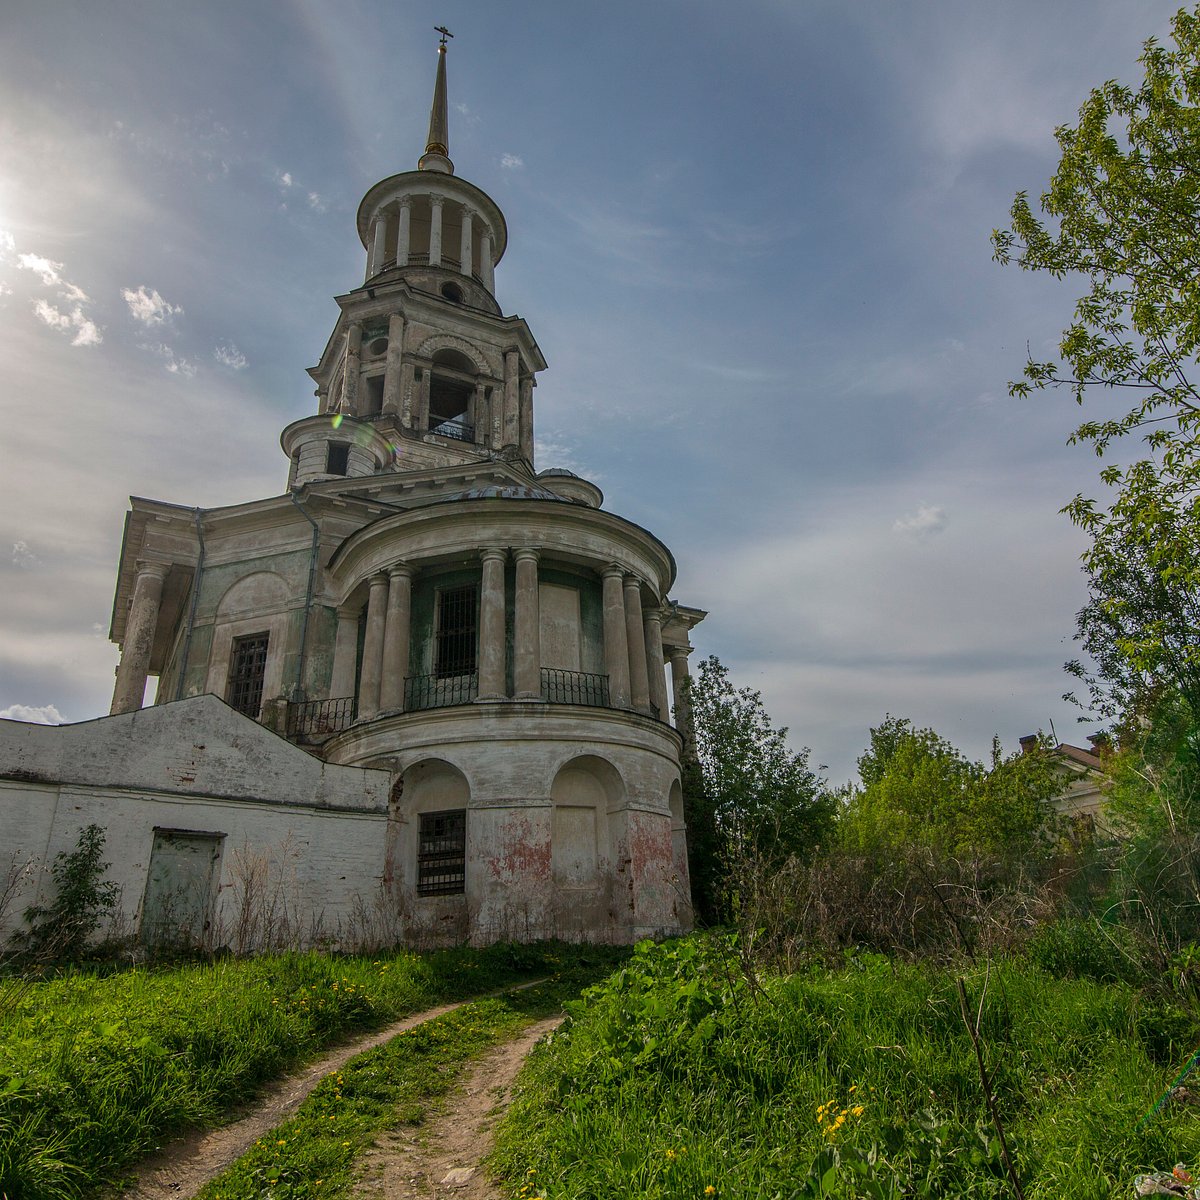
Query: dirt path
[[442, 1158], [183, 1166]]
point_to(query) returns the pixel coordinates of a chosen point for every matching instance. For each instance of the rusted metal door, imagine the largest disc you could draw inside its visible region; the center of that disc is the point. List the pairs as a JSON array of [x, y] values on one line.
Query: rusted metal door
[[177, 908]]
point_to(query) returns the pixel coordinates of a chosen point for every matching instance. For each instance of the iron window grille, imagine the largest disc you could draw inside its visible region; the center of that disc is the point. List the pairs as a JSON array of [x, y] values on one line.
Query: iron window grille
[[457, 631], [247, 672], [442, 853]]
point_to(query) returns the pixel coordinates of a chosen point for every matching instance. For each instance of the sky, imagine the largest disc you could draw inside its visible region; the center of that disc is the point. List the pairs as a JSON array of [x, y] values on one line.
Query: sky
[[751, 240]]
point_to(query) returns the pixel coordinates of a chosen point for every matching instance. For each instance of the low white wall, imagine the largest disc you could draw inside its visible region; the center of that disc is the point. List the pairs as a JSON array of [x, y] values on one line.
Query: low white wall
[[302, 851]]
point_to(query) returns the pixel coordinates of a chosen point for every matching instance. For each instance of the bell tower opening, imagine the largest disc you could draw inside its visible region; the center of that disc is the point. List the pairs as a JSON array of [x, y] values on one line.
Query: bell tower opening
[[452, 396]]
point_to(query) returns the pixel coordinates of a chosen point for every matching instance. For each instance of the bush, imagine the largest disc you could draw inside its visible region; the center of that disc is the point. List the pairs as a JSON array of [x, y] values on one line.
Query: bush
[[1081, 948]]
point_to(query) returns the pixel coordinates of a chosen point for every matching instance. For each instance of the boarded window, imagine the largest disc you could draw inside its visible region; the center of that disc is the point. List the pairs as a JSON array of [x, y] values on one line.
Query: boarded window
[[442, 853], [247, 670], [457, 631]]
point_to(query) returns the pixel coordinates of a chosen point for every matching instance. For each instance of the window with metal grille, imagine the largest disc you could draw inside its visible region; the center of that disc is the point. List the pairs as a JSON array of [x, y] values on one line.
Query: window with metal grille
[[442, 853], [457, 631], [247, 669]]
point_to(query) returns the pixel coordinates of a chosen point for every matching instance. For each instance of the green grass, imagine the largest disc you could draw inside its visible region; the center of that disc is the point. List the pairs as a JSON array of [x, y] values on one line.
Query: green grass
[[314, 1153], [674, 1077], [95, 1070]]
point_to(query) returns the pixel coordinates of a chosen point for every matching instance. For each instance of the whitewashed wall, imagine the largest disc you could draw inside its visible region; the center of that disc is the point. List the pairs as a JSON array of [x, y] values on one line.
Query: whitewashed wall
[[303, 852]]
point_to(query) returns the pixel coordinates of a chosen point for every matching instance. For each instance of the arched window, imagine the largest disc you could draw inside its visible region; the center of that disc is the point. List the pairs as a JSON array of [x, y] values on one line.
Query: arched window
[[452, 396]]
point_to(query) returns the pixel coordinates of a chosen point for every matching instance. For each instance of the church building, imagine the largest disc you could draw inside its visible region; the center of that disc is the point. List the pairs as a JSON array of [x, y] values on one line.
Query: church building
[[425, 687]]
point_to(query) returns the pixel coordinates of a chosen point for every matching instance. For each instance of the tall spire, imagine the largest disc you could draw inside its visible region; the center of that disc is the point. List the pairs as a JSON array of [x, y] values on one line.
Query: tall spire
[[437, 148]]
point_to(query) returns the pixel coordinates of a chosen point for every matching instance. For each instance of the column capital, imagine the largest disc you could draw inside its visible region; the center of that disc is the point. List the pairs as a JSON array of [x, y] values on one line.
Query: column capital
[[631, 582], [378, 579], [611, 569], [404, 201], [436, 201], [680, 652], [152, 566], [400, 570], [526, 553], [654, 615], [492, 554]]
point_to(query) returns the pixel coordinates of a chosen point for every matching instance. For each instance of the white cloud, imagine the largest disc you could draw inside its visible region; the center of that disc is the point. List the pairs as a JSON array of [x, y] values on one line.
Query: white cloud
[[926, 521], [284, 179], [43, 267], [317, 202], [511, 161], [147, 306], [230, 356], [87, 333], [175, 363], [43, 714], [22, 556], [7, 242]]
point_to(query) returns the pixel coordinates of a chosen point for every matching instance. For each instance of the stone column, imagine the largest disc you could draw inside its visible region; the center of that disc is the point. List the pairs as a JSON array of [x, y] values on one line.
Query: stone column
[[679, 672], [616, 639], [639, 683], [140, 626], [396, 631], [491, 627], [404, 231], [654, 662], [487, 269], [420, 417], [345, 653], [378, 240], [435, 231], [464, 250], [392, 367], [408, 394], [350, 377], [372, 662], [512, 385], [527, 629], [480, 417], [525, 418]]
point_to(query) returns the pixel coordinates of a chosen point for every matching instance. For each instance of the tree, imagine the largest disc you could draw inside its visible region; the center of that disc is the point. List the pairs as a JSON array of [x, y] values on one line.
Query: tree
[[1140, 622], [918, 791], [1125, 208], [750, 792]]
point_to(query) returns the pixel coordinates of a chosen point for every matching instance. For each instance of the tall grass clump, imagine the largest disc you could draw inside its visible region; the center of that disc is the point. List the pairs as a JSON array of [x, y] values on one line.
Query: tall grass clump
[[94, 1069], [685, 1075]]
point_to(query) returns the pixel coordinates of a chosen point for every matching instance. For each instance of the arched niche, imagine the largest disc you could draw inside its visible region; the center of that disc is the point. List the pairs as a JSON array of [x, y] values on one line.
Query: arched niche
[[584, 793], [254, 594], [430, 807]]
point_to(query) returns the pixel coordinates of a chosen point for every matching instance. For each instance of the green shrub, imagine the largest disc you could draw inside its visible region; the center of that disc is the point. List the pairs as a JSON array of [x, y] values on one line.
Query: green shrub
[[1080, 948]]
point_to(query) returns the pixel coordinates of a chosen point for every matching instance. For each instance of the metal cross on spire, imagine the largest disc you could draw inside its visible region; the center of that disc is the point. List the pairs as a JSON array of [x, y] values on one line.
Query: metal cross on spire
[[444, 32]]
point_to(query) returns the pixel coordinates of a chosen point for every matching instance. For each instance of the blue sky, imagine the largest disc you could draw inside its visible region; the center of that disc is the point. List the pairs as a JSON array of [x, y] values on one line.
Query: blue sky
[[751, 240]]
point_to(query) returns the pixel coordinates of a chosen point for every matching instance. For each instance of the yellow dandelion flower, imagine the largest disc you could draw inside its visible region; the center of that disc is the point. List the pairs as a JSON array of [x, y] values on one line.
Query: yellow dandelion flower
[[857, 1110], [710, 1190]]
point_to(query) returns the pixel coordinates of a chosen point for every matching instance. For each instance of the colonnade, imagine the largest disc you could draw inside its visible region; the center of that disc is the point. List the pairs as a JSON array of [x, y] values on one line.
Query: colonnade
[[634, 657], [398, 215]]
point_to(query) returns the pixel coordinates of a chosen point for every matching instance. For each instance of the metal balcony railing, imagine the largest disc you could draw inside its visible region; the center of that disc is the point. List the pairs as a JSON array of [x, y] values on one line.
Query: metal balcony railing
[[459, 430], [574, 687], [312, 719], [428, 691]]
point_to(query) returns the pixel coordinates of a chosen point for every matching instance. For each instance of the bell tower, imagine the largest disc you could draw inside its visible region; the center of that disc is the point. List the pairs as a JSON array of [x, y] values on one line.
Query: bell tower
[[423, 369]]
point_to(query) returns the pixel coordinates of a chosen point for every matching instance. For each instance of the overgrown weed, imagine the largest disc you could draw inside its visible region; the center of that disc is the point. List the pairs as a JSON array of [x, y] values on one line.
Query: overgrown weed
[[96, 1069], [671, 1078]]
